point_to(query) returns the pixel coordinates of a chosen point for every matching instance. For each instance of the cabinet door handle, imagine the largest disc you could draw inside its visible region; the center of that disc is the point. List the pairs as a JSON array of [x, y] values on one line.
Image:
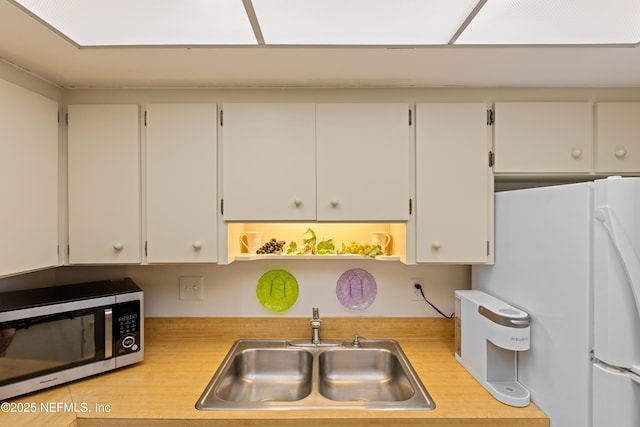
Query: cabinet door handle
[[436, 245], [620, 153], [334, 203], [197, 245], [297, 202], [576, 153], [117, 246]]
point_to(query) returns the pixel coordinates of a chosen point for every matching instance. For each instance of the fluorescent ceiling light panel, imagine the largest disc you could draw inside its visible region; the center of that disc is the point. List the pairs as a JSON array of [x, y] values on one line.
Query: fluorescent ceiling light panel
[[360, 22], [146, 22], [546, 22]]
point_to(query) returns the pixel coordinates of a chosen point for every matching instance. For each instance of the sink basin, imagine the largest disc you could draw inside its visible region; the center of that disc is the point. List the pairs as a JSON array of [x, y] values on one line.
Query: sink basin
[[363, 375], [281, 374], [267, 374]]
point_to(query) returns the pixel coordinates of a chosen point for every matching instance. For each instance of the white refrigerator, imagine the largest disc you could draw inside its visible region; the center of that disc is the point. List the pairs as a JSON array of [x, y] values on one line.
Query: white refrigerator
[[569, 255]]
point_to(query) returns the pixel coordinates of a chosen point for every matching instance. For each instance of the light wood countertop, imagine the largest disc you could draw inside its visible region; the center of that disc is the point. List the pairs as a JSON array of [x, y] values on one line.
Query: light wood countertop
[[182, 354]]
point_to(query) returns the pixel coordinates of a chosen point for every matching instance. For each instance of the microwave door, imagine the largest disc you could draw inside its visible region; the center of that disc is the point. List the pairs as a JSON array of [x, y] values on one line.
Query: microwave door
[[72, 339]]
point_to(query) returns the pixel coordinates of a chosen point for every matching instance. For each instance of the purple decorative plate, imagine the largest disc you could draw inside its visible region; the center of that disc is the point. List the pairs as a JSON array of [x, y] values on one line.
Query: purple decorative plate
[[356, 289]]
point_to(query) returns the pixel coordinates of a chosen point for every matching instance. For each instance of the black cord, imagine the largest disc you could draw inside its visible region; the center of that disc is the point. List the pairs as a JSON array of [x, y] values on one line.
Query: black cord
[[419, 287]]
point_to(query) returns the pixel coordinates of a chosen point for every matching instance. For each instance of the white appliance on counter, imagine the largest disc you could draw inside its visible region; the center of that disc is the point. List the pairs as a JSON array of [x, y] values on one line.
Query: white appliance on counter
[[568, 255], [489, 335]]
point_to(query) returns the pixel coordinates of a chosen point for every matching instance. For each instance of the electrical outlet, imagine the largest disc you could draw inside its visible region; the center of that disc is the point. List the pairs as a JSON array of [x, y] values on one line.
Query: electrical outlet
[[414, 294], [191, 288]]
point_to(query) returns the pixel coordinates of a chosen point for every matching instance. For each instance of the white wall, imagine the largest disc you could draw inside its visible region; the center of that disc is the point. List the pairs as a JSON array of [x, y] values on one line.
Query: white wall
[[410, 95], [29, 81], [230, 290]]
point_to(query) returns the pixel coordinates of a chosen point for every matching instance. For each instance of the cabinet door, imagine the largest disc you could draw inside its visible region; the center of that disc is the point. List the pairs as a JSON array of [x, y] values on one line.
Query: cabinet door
[[362, 162], [454, 184], [181, 183], [104, 184], [618, 137], [268, 153], [28, 180], [543, 137]]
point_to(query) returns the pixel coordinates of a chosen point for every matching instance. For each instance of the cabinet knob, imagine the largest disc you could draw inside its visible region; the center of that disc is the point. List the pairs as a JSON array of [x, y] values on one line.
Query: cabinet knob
[[297, 202], [117, 246], [620, 153], [334, 203], [436, 245], [576, 153], [197, 245]]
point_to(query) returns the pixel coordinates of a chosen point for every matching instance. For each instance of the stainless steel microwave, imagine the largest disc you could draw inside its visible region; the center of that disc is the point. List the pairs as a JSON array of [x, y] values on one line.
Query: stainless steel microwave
[[50, 336]]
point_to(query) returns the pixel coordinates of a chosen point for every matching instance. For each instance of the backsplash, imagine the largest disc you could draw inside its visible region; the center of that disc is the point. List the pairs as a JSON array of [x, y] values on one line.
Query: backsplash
[[230, 290]]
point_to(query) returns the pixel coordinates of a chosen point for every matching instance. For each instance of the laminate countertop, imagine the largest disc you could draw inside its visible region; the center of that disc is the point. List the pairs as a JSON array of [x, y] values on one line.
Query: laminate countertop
[[182, 354]]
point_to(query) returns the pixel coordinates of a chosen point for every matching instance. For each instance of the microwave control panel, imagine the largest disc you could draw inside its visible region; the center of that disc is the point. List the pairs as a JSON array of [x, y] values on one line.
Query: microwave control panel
[[126, 328]]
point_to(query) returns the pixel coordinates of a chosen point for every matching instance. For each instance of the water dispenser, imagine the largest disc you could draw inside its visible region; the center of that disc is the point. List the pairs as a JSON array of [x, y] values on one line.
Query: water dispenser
[[489, 335]]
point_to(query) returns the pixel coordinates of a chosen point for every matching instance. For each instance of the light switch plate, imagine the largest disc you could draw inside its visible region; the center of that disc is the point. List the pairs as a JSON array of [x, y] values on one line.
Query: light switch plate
[[191, 288]]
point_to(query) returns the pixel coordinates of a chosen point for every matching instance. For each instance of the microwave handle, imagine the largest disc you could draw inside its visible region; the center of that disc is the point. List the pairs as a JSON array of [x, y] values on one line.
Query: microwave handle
[[108, 333]]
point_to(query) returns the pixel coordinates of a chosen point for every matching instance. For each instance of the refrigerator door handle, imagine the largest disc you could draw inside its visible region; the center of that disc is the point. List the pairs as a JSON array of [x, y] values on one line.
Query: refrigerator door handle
[[635, 377], [626, 253]]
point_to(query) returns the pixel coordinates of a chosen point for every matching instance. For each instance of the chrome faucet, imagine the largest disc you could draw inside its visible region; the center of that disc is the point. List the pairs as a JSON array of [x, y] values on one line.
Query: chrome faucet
[[315, 327]]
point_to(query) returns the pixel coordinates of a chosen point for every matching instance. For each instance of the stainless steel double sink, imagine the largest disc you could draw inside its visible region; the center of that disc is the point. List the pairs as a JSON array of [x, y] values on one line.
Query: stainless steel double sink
[[282, 374]]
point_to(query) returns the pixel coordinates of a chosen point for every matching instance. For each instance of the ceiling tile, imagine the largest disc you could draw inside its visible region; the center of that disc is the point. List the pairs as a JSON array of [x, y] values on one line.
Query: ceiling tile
[[146, 22], [360, 22], [559, 22]]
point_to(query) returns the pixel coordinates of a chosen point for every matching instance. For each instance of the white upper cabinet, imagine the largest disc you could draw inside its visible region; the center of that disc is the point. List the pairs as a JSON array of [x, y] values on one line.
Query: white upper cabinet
[[269, 162], [618, 137], [362, 162], [28, 180], [543, 137], [326, 162], [104, 184], [454, 184], [181, 183]]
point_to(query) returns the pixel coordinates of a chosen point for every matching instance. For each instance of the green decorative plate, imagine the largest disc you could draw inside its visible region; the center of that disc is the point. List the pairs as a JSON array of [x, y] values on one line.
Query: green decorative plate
[[277, 290]]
